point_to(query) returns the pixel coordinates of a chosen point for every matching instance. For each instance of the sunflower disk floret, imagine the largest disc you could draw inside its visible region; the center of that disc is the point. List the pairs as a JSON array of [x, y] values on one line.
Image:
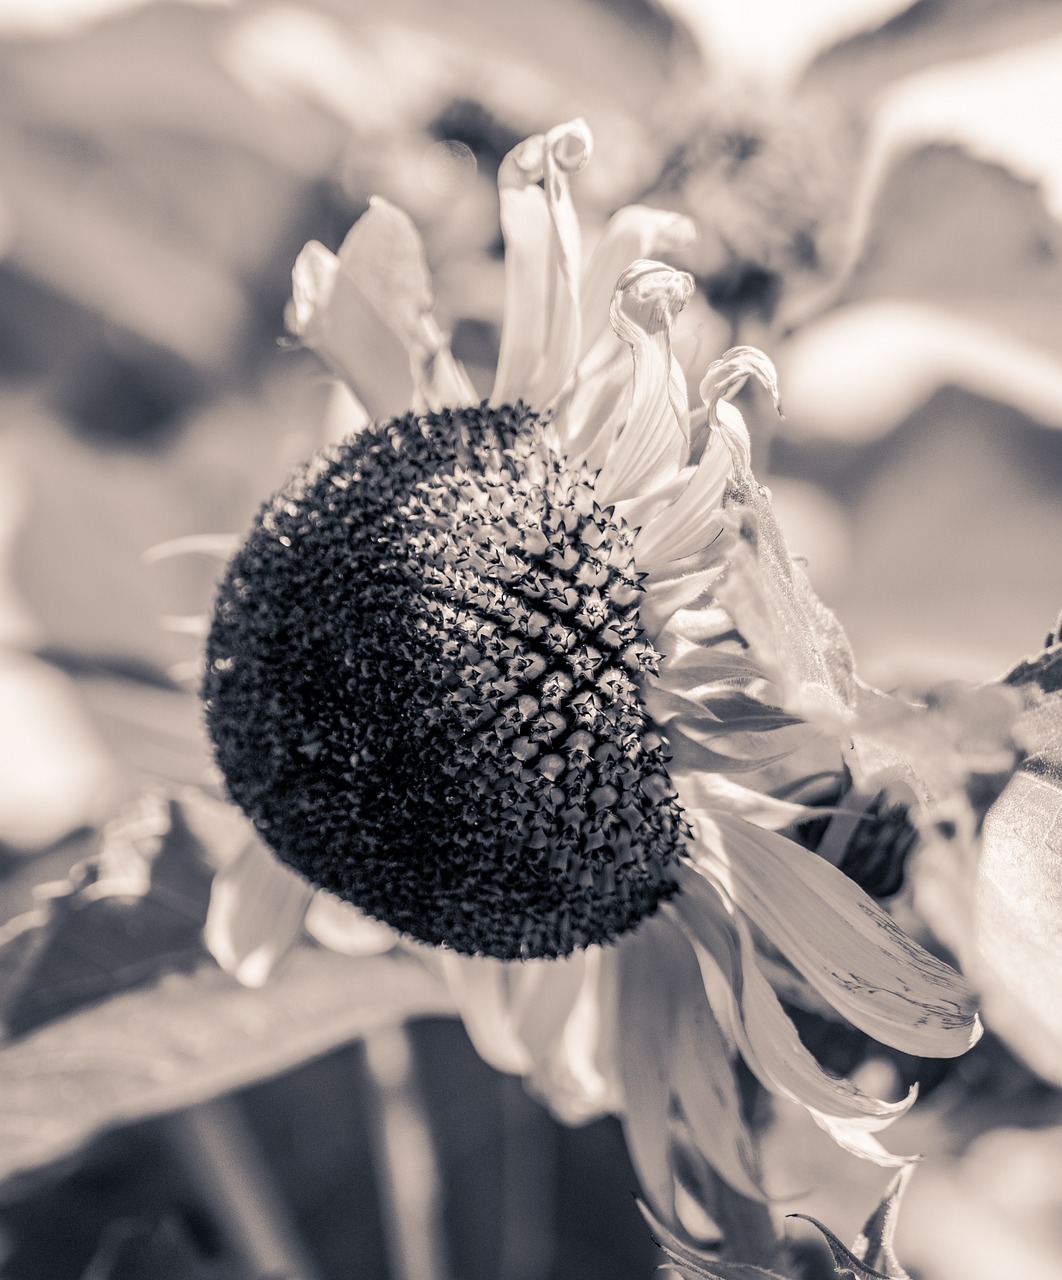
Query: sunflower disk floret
[[424, 686]]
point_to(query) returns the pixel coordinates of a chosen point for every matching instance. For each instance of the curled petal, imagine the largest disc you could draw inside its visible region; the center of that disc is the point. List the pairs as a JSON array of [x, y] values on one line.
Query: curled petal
[[654, 442], [256, 913], [752, 1014], [725, 378], [634, 232], [540, 338], [840, 940]]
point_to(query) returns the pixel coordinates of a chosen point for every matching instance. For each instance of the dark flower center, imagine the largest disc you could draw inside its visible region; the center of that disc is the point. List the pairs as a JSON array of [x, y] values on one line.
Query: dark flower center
[[423, 686]]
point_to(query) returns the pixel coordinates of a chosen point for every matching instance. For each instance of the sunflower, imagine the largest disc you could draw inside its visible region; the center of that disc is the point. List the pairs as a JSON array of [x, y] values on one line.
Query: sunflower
[[531, 684]]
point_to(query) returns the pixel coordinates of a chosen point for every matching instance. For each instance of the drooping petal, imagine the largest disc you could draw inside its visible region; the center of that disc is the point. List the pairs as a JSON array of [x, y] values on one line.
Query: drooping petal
[[690, 523], [725, 378], [579, 1079], [540, 320], [834, 934], [643, 1061], [751, 1012], [654, 442], [703, 1082], [256, 913], [543, 995], [479, 986], [340, 926]]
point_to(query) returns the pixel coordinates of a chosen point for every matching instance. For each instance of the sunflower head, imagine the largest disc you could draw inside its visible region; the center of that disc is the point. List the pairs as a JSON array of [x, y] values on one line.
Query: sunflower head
[[423, 684]]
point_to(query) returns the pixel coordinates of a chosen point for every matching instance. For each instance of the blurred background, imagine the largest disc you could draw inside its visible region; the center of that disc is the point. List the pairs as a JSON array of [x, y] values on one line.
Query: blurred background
[[878, 187]]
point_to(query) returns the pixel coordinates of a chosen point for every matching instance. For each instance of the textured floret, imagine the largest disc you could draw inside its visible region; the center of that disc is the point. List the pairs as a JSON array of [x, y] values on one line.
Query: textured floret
[[424, 686]]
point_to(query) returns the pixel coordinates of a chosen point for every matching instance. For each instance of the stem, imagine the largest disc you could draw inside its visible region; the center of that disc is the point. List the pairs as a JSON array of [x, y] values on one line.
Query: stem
[[223, 1161], [407, 1173]]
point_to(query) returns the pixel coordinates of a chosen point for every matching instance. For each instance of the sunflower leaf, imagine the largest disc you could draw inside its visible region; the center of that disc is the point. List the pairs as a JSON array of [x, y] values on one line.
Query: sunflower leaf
[[871, 1256], [694, 1264], [1018, 901], [115, 1012]]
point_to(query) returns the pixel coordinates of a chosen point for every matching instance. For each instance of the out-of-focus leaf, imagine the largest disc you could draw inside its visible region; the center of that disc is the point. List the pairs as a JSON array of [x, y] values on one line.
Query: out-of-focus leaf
[[872, 1256], [926, 33], [131, 912], [161, 1247], [1018, 902], [187, 1037]]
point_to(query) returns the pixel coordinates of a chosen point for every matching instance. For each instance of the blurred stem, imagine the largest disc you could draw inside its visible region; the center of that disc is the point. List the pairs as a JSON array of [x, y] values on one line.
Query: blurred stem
[[222, 1159], [529, 1155], [407, 1174]]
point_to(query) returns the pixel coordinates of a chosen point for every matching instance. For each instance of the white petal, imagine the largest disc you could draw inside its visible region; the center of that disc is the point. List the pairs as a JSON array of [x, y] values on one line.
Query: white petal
[[653, 444], [644, 1062], [479, 986], [368, 312], [578, 1080], [256, 912], [540, 338], [634, 232], [690, 523], [725, 378], [341, 927], [749, 1008], [834, 934], [543, 994]]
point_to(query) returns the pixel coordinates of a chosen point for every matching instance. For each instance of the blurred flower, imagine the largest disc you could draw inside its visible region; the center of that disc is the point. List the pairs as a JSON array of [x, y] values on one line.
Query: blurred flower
[[536, 679], [881, 166]]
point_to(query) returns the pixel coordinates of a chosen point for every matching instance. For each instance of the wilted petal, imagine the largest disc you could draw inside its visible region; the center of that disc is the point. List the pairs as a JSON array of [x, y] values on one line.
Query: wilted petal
[[654, 442], [644, 1061], [725, 378], [845, 946], [578, 1080], [540, 320], [479, 985], [257, 908], [703, 1083], [634, 232], [750, 1010], [341, 927]]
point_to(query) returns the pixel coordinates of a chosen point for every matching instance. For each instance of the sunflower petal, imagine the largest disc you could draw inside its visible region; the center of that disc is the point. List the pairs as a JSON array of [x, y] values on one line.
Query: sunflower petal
[[256, 913], [540, 318], [840, 940], [636, 231], [654, 443], [749, 1008], [340, 926], [704, 1086], [479, 987], [644, 1062], [368, 312]]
